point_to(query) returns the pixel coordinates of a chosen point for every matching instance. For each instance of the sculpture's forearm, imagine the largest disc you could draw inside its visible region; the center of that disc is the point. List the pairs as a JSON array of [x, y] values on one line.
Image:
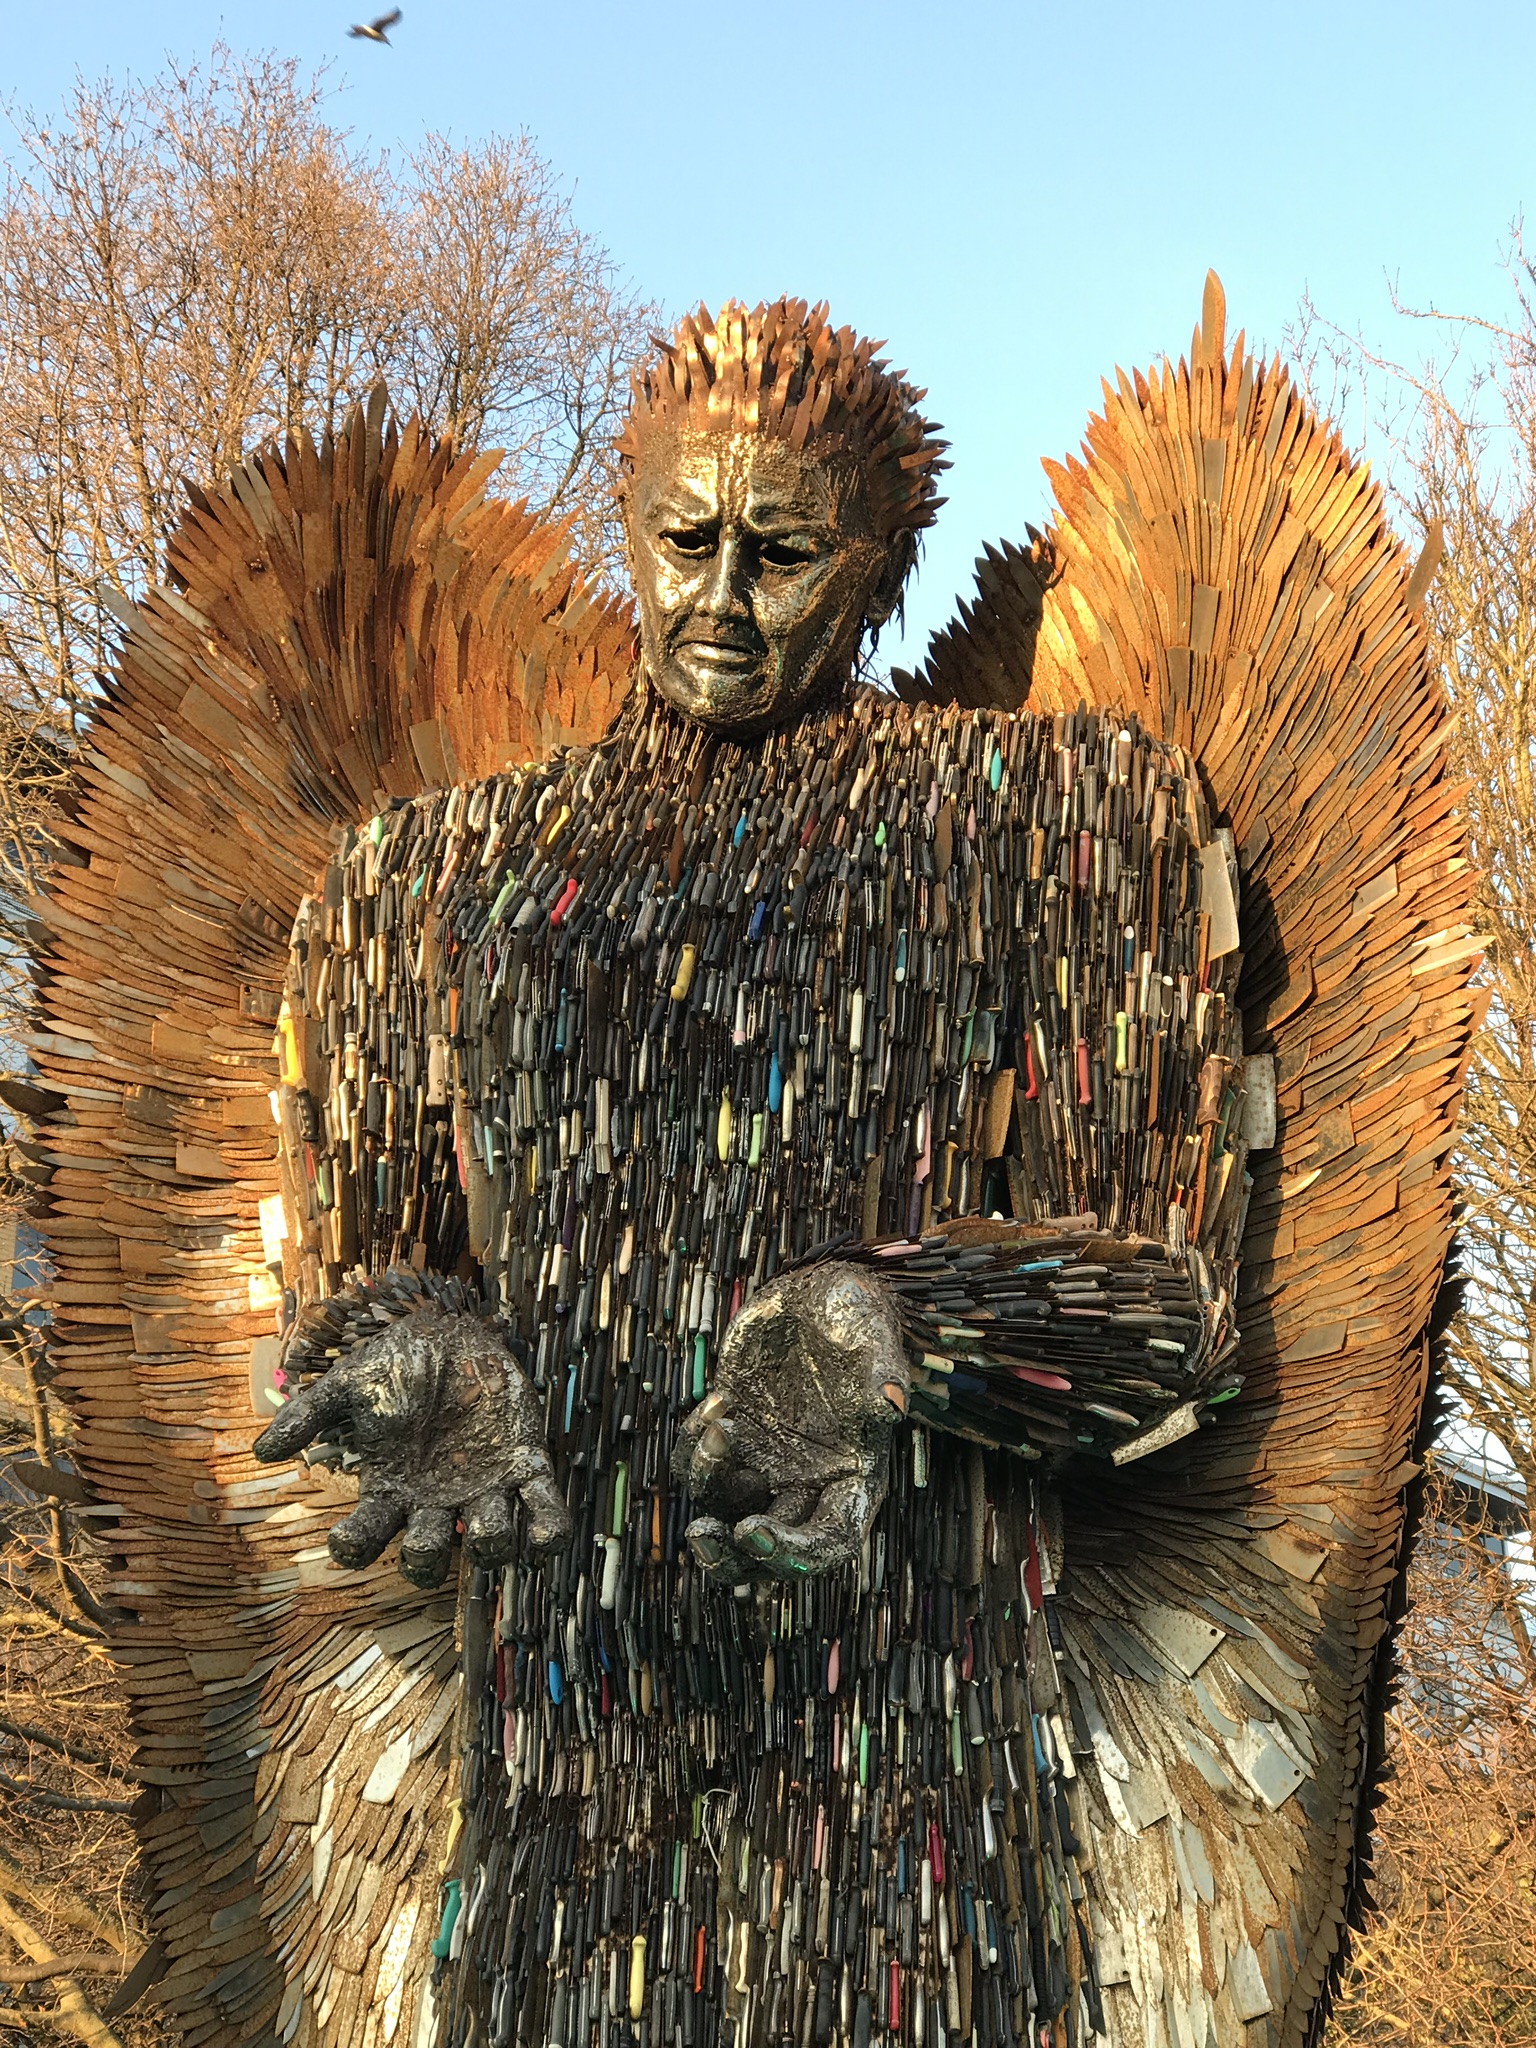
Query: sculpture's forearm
[[1050, 1341], [1105, 1111]]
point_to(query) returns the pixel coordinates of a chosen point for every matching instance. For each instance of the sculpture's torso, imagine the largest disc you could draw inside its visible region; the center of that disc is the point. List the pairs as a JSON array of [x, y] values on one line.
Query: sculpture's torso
[[710, 1006]]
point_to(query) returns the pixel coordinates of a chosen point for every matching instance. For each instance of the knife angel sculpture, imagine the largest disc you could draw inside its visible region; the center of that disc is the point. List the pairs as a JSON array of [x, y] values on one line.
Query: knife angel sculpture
[[881, 1250]]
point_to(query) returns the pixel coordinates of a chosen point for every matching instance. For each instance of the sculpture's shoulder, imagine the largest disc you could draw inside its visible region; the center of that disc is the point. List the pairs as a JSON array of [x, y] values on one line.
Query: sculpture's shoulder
[[466, 830], [900, 722], [966, 737], [509, 804], [961, 748], [443, 856]]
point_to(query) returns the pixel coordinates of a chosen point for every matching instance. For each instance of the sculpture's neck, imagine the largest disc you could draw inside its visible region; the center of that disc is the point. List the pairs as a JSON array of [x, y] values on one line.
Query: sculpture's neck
[[672, 733]]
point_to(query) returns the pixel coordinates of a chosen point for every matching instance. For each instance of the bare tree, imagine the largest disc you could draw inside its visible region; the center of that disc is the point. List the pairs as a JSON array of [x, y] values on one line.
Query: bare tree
[[487, 247], [191, 266], [1447, 1955], [188, 268], [1473, 473]]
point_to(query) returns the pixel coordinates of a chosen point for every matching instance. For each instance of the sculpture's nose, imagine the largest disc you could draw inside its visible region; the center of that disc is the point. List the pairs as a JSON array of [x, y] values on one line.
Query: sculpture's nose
[[725, 588]]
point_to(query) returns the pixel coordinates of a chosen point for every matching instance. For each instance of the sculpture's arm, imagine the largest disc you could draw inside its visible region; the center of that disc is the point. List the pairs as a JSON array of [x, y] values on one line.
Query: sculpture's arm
[[1045, 1341], [432, 1413], [1054, 1341], [1107, 1084]]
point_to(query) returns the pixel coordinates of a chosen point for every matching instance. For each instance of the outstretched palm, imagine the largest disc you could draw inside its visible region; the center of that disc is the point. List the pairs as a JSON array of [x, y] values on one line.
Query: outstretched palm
[[445, 1424], [789, 1453]]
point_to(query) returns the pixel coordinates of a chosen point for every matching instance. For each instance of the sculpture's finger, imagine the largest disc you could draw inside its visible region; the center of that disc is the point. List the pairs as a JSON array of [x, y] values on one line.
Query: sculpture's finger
[[831, 1536], [426, 1548], [489, 1536], [710, 1460], [548, 1517], [681, 1460], [299, 1421], [358, 1538], [714, 1547], [694, 1424]]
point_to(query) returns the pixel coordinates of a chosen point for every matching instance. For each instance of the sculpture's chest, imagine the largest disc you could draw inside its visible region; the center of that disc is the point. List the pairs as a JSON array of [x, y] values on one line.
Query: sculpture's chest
[[716, 1020], [661, 993]]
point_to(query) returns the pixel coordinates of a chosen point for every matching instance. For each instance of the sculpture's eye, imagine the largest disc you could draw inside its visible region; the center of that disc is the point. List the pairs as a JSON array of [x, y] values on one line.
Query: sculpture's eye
[[694, 542], [788, 551]]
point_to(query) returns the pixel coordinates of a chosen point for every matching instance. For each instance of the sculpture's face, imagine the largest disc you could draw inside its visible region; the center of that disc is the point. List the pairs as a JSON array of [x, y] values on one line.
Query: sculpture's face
[[756, 567]]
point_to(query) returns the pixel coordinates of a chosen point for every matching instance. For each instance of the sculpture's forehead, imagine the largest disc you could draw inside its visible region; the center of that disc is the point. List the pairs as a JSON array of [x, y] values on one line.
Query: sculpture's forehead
[[753, 477]]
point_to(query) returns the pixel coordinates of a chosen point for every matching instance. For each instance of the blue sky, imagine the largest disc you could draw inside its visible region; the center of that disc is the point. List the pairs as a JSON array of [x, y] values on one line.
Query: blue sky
[[1016, 197]]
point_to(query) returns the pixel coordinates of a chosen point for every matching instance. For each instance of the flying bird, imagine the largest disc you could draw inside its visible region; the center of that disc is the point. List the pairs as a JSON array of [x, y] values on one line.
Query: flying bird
[[373, 32]]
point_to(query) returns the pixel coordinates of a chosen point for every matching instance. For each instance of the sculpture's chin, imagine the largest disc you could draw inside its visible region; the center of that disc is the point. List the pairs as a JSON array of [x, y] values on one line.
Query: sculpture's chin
[[726, 701], [739, 704]]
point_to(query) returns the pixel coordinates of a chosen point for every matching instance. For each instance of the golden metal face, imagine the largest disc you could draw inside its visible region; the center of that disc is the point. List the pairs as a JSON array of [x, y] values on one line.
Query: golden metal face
[[756, 567]]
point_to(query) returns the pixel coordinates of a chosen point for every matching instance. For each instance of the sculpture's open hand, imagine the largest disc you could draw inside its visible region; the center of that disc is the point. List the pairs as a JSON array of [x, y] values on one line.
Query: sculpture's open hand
[[788, 1455], [445, 1423]]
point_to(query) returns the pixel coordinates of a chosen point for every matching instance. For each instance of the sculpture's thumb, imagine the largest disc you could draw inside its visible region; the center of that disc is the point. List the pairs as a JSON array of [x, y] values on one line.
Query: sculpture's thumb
[[301, 1419]]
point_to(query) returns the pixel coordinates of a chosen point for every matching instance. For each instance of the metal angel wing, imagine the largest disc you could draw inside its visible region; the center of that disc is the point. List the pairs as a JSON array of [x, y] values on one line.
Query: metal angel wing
[[342, 624], [1222, 568]]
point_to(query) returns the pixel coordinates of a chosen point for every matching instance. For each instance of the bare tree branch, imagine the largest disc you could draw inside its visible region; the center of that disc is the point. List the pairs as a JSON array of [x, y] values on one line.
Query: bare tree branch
[[63, 1966], [75, 2011], [1447, 1955], [77, 1752]]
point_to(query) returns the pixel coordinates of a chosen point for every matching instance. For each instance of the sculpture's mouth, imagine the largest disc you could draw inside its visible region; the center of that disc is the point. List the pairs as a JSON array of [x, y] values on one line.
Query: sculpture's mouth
[[719, 656], [723, 643], [727, 656]]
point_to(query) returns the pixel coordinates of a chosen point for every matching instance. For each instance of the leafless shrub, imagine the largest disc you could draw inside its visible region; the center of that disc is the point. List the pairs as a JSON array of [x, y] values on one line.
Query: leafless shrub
[[71, 1905]]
